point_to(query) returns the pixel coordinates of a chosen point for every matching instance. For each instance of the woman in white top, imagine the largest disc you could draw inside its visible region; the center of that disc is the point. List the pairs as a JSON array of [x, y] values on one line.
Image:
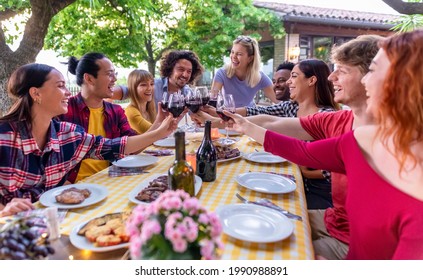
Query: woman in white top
[[242, 76]]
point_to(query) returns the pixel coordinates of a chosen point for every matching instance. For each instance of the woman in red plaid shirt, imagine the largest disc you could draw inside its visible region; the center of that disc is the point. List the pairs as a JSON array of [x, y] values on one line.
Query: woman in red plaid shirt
[[37, 151]]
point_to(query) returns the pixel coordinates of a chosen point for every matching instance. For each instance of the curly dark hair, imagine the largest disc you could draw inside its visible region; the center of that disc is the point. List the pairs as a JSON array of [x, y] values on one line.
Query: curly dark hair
[[169, 60]]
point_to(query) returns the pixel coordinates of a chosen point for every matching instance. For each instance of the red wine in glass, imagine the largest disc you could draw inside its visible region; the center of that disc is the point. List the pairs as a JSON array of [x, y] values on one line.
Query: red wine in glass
[[205, 100], [223, 116], [213, 102], [193, 105], [176, 111], [165, 105]]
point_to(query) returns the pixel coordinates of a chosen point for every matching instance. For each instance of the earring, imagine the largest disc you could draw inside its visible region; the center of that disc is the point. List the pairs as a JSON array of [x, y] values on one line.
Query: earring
[[37, 100]]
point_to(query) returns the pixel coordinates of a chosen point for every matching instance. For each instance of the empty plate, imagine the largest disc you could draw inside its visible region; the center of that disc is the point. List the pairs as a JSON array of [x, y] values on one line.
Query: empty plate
[[167, 142], [254, 223], [136, 161], [266, 182], [264, 157]]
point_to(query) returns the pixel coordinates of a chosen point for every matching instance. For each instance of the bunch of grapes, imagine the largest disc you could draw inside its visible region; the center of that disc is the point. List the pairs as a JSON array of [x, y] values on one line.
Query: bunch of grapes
[[24, 239]]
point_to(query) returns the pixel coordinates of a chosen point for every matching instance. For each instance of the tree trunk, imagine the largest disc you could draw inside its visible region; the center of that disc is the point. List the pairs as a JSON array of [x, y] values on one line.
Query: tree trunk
[[152, 67], [36, 27]]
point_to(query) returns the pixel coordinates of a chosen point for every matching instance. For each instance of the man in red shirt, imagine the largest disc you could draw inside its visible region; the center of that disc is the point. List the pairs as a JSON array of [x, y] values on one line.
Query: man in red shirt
[[330, 229], [96, 76]]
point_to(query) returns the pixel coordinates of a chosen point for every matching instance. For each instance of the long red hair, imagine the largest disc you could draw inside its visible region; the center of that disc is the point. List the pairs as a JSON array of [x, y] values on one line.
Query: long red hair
[[401, 110]]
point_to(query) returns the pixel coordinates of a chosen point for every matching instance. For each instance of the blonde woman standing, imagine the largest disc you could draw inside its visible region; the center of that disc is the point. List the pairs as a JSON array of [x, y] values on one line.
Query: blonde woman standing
[[141, 111], [242, 76]]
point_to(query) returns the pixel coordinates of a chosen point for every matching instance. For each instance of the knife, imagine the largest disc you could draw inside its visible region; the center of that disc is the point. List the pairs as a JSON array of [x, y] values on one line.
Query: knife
[[270, 204]]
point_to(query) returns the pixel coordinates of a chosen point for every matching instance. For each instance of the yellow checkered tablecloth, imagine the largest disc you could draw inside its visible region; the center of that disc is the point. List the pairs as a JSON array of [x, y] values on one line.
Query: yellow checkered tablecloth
[[212, 194]]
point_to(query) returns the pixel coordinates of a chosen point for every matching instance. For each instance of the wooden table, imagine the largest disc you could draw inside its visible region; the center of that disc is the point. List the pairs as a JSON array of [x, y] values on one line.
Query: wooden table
[[212, 194]]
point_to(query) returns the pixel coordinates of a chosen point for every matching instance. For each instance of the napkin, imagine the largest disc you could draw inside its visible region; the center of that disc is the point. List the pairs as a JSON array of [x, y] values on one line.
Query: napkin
[[116, 171], [159, 153]]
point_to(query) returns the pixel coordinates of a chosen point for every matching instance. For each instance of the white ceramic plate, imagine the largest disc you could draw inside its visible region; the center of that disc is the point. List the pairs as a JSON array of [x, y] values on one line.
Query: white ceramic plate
[[98, 193], [230, 132], [136, 161], [144, 184], [266, 182], [229, 159], [264, 157], [254, 223], [82, 243], [167, 142]]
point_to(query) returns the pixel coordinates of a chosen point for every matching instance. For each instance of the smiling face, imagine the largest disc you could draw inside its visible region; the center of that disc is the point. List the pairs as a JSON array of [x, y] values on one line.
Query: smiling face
[[181, 74], [280, 87], [346, 80], [300, 87], [102, 86], [53, 95], [145, 90], [239, 57], [373, 81]]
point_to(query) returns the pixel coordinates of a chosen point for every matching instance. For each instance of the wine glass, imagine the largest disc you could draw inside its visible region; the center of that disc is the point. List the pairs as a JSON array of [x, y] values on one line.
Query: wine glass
[[225, 102], [176, 104], [165, 101], [193, 102], [203, 92]]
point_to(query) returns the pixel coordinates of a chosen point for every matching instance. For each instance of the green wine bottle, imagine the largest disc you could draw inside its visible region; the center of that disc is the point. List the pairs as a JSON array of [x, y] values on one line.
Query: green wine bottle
[[181, 174], [206, 156]]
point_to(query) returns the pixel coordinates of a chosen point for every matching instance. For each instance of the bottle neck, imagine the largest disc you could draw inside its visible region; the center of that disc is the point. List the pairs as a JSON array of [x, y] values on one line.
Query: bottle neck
[[207, 131], [179, 145]]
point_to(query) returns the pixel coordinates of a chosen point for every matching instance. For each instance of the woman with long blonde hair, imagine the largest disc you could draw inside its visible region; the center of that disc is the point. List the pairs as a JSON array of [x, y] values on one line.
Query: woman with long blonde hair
[[242, 76], [141, 111]]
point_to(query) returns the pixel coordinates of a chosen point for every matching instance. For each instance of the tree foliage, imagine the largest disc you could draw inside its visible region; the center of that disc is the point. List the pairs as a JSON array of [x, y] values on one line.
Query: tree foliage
[[411, 19], [37, 15], [130, 32]]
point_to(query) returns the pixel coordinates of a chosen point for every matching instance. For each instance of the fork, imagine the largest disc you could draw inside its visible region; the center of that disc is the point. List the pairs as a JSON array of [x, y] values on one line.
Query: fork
[[269, 204]]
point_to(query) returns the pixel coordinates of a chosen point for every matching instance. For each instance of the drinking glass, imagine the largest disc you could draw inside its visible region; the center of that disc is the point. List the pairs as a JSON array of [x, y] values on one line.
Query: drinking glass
[[204, 94], [176, 104], [165, 101], [193, 102], [225, 102]]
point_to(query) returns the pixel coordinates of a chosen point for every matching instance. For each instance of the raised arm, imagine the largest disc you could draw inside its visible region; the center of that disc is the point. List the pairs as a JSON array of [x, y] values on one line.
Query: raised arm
[[286, 126], [270, 93]]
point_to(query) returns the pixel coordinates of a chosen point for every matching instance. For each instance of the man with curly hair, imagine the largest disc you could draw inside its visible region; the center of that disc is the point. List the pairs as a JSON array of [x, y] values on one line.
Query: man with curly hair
[[177, 70]]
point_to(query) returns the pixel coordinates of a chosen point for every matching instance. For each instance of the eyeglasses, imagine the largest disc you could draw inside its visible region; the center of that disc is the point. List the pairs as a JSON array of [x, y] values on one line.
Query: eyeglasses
[[112, 74], [244, 38]]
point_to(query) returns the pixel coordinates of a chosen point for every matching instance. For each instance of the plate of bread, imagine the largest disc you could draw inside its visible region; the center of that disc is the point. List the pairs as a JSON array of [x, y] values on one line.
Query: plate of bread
[[74, 196], [101, 234]]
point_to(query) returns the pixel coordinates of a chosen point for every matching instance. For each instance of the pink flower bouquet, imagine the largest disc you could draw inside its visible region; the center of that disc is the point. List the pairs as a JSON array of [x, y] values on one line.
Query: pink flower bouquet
[[174, 226]]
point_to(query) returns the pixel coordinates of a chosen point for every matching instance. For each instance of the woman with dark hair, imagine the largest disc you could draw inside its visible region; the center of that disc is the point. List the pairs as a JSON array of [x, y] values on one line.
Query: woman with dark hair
[[383, 162], [37, 151]]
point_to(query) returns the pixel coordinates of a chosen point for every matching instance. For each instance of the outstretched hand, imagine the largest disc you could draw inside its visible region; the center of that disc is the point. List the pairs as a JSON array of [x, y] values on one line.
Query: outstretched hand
[[201, 117], [244, 126], [168, 125]]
